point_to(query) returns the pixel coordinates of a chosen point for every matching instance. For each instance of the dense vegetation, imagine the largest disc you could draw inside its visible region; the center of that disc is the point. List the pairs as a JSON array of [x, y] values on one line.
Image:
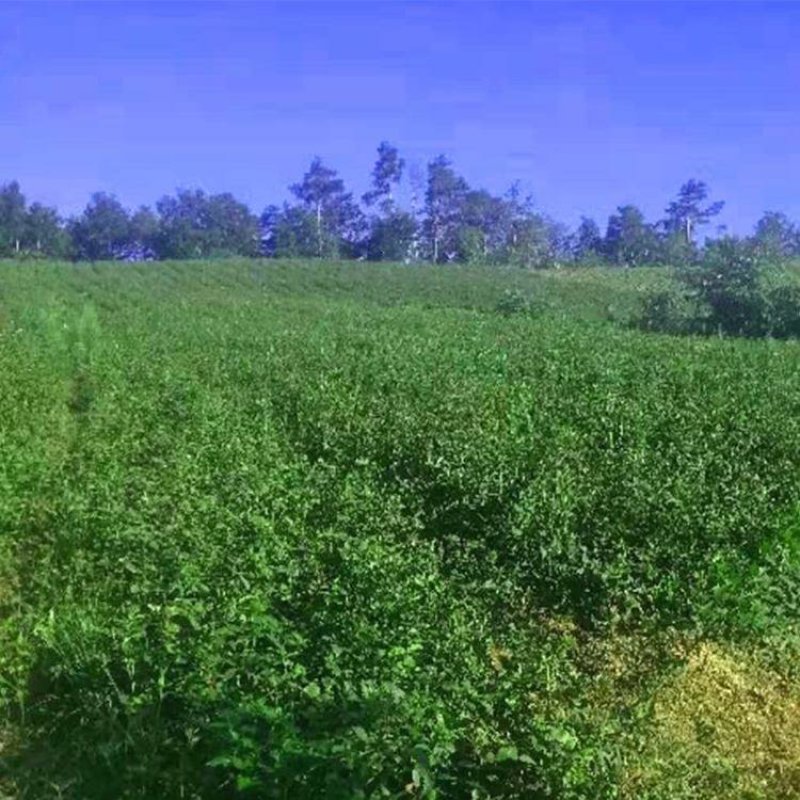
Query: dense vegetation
[[306, 530], [731, 292], [444, 220]]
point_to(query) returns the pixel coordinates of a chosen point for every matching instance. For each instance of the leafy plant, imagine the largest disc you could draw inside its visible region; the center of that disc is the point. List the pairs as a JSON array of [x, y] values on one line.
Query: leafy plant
[[725, 293], [314, 530], [514, 301]]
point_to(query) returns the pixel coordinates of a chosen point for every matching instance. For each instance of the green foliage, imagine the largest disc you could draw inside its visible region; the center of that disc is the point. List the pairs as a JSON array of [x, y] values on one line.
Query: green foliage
[[29, 232], [776, 238], [689, 212], [392, 232], [728, 284], [676, 251], [195, 225], [324, 204], [44, 234], [783, 311], [629, 240], [445, 195], [304, 530], [12, 218], [472, 248], [102, 231], [391, 237], [514, 301], [587, 243], [386, 176], [670, 311], [726, 293]]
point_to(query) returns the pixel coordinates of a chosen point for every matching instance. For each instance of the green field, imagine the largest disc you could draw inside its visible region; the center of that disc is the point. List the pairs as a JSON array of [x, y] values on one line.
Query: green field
[[285, 530]]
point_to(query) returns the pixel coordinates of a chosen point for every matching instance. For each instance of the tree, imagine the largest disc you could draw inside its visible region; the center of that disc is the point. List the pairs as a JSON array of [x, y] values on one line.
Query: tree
[[338, 223], [181, 224], [417, 182], [386, 175], [587, 241], [444, 199], [727, 292], [674, 250], [193, 224], [484, 225], [728, 283], [538, 242], [687, 212], [12, 218], [532, 240], [776, 238], [144, 234], [629, 240], [289, 232], [391, 238], [231, 228], [392, 232], [43, 232], [268, 220], [103, 230]]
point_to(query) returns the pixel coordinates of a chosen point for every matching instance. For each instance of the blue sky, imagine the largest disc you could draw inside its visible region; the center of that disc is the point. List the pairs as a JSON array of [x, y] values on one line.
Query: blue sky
[[590, 105]]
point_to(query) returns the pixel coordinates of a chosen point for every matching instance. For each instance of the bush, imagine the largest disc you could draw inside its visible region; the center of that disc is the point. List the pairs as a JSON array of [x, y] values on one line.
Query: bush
[[783, 309], [725, 294], [728, 284], [668, 311], [514, 301]]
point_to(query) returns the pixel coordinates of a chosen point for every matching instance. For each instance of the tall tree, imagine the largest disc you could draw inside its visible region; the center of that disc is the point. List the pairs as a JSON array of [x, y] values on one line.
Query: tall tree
[[103, 229], [444, 200], [417, 182], [775, 237], [193, 224], [391, 238], [391, 231], [587, 241], [539, 242], [337, 220], [688, 211], [386, 176], [268, 220], [44, 233], [485, 221], [181, 224], [12, 218], [289, 232], [232, 229], [144, 234], [532, 239], [629, 240]]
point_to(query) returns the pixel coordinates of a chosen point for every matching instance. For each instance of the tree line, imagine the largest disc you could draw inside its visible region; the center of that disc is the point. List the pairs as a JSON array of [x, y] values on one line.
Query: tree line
[[446, 220]]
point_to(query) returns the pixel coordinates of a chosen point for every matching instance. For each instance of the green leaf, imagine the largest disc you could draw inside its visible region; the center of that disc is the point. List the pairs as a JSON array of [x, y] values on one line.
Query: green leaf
[[507, 753]]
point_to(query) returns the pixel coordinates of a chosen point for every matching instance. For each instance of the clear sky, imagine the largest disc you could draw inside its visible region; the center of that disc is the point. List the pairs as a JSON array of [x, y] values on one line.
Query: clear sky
[[590, 105]]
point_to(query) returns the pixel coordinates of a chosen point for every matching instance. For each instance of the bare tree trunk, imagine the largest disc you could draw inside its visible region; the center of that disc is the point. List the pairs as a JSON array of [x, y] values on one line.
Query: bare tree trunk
[[319, 228], [415, 176], [413, 250]]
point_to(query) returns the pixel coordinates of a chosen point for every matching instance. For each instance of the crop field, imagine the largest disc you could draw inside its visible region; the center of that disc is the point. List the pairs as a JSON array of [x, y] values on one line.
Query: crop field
[[295, 530]]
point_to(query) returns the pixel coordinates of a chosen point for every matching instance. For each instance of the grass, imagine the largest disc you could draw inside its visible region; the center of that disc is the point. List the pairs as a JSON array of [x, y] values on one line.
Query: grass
[[336, 530]]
